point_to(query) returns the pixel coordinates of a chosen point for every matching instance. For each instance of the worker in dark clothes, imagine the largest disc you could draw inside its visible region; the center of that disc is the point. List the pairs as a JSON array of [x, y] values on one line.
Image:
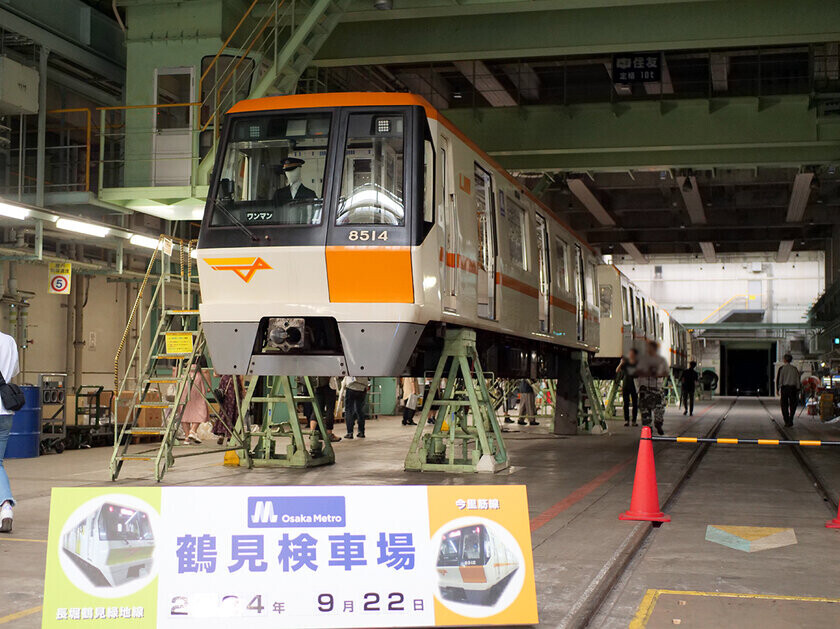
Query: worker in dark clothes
[[788, 380], [688, 385], [294, 190], [627, 372], [527, 404]]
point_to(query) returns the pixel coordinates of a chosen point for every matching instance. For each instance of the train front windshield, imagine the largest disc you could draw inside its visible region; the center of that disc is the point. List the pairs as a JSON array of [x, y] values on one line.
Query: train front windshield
[[276, 165], [468, 546], [273, 171], [121, 523]]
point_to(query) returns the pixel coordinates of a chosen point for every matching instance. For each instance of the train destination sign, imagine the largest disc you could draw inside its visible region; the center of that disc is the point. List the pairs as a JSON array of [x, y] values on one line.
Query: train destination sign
[[302, 557]]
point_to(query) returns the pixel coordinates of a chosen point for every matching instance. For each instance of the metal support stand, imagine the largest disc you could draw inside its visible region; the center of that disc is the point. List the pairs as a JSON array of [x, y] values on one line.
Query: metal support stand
[[472, 440], [593, 418], [280, 422], [672, 390], [609, 407]]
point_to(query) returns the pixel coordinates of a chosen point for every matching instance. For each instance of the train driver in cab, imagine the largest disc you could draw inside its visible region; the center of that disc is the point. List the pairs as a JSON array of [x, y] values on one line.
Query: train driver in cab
[[294, 190]]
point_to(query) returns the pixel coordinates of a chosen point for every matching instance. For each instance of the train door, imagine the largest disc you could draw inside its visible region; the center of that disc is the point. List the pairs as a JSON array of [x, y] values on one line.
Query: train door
[[486, 288], [450, 229], [580, 294], [545, 283]]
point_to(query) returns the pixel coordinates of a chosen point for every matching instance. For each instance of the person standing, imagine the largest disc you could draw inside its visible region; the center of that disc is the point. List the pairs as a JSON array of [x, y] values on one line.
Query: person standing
[[355, 391], [326, 392], [627, 371], [9, 368], [650, 370], [527, 403], [228, 407], [195, 404], [410, 398], [788, 380], [688, 386]]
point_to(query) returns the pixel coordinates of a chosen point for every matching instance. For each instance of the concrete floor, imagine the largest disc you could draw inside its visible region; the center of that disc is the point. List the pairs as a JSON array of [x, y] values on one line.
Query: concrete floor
[[576, 487]]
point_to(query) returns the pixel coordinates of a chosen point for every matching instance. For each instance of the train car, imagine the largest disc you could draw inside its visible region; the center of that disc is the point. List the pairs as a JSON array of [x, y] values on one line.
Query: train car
[[474, 566], [629, 318], [114, 541], [343, 232]]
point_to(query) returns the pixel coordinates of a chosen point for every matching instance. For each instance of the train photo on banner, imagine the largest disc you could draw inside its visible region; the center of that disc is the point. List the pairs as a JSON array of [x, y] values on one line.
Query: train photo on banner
[[345, 232], [474, 566], [113, 543], [629, 319]]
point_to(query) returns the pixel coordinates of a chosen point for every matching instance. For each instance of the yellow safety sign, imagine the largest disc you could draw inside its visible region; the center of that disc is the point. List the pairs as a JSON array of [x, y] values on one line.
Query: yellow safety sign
[[60, 276], [179, 343]]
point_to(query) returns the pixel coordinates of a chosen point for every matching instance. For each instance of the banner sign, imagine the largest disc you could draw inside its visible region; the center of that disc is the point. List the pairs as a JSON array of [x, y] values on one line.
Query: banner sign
[[296, 557], [60, 276], [637, 67]]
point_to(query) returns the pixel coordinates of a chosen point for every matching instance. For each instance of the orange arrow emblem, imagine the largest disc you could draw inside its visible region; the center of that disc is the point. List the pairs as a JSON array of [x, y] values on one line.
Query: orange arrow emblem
[[243, 267]]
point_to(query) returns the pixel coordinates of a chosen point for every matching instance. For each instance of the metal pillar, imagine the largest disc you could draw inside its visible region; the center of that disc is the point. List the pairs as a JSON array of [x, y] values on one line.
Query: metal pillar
[[280, 421], [472, 439], [41, 172], [672, 390]]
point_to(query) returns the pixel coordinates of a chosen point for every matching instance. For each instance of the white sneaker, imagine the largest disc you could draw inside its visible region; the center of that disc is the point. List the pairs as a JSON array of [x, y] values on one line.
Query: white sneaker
[[6, 517], [194, 438]]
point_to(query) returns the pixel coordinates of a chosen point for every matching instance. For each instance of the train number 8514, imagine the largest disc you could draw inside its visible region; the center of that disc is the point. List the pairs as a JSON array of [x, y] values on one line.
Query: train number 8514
[[367, 234]]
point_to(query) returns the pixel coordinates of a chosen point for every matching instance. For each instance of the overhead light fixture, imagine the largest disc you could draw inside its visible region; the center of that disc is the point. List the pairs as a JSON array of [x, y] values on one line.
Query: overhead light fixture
[[139, 240], [13, 211], [82, 228], [383, 5]]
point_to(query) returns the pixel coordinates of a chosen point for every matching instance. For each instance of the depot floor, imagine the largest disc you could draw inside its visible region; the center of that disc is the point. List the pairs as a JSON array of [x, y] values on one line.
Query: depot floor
[[577, 486]]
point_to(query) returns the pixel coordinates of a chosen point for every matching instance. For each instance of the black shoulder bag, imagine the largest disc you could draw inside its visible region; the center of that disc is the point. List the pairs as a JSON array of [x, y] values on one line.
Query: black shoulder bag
[[11, 395]]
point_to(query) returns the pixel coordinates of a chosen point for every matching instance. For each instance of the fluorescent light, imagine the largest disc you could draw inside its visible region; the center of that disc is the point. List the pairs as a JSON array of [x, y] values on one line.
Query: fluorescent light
[[82, 228], [13, 211], [144, 241]]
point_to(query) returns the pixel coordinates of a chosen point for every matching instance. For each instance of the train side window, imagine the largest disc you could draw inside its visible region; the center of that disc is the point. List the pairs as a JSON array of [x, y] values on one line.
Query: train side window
[[562, 264], [625, 305], [516, 219], [488, 545], [606, 295], [428, 183], [372, 186], [592, 285]]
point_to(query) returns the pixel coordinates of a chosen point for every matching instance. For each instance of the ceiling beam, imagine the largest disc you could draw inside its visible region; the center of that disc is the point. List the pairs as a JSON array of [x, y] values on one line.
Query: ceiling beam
[[638, 135], [785, 247], [799, 197], [590, 202], [591, 28], [708, 250], [634, 252], [650, 235], [477, 73], [691, 197]]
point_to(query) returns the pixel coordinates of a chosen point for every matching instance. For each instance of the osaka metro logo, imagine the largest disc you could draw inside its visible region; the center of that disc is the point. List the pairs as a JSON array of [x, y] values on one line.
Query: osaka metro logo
[[245, 268]]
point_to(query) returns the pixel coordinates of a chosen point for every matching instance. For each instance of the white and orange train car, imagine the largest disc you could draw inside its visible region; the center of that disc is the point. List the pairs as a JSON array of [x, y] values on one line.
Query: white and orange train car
[[629, 319], [343, 232]]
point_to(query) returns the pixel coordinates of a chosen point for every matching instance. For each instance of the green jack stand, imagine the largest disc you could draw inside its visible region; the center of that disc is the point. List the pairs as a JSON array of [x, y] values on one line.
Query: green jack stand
[[609, 406], [278, 426], [592, 419], [672, 390], [472, 441]]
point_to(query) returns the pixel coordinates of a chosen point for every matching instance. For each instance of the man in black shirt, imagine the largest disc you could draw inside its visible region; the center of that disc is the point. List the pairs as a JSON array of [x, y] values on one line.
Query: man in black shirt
[[627, 371], [688, 385]]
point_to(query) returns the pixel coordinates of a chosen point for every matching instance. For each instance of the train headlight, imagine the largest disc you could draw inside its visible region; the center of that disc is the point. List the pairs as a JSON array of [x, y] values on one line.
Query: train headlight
[[285, 333]]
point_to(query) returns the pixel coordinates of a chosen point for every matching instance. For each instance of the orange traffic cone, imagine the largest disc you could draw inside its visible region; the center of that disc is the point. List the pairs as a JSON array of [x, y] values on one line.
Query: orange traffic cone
[[644, 505], [835, 523]]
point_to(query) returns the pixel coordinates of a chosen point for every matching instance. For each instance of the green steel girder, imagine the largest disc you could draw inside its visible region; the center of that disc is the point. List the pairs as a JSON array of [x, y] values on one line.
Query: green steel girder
[[736, 132], [594, 29]]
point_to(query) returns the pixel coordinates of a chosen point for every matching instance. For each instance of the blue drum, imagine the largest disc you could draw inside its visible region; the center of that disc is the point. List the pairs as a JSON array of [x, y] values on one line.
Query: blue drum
[[25, 438]]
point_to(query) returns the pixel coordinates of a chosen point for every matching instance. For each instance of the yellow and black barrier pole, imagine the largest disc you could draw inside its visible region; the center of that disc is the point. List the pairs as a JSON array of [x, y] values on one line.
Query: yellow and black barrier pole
[[739, 441]]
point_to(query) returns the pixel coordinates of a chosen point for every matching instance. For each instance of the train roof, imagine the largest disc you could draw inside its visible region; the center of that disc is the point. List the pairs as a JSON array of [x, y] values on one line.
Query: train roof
[[388, 99]]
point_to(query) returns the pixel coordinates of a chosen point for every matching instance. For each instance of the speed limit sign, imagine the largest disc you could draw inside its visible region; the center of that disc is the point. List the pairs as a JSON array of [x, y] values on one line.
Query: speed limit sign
[[60, 275]]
